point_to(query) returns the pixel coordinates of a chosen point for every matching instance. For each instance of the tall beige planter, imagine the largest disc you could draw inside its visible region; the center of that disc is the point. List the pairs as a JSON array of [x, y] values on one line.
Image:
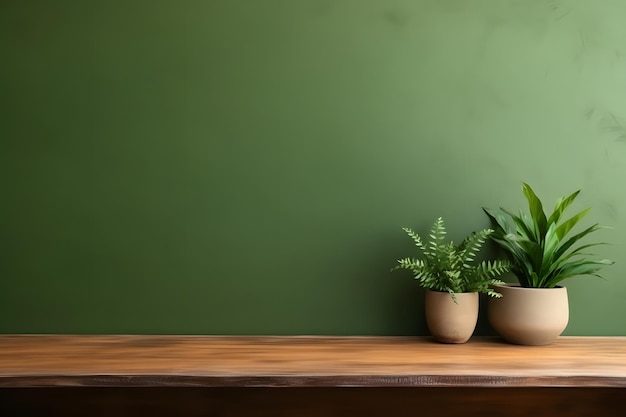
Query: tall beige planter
[[451, 322], [529, 316]]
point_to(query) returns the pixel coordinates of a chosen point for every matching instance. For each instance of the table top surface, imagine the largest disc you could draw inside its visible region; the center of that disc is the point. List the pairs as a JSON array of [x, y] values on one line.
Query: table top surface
[[313, 361]]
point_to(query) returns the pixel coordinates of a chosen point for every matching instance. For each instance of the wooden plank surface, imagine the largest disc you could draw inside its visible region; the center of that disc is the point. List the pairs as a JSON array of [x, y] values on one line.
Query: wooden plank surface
[[217, 361]]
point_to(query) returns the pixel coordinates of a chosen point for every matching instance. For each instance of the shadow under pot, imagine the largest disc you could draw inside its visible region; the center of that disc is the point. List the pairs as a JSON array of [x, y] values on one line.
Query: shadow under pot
[[529, 316]]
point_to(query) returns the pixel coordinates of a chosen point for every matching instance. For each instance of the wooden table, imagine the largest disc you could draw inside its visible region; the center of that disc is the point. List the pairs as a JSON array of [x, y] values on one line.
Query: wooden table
[[306, 376]]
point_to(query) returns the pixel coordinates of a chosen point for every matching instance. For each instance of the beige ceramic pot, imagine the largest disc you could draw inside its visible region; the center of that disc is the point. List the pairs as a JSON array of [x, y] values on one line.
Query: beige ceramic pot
[[529, 316], [451, 322]]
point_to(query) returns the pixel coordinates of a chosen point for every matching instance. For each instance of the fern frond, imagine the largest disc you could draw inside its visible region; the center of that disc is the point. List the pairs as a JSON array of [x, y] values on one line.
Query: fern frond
[[437, 236], [473, 243], [450, 268], [416, 238]]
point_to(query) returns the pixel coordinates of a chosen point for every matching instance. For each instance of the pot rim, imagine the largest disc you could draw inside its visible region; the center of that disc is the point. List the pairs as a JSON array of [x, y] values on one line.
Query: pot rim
[[518, 286], [446, 292]]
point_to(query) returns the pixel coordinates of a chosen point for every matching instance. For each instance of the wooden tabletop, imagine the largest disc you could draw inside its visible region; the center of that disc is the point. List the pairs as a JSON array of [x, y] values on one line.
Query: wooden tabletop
[[317, 361]]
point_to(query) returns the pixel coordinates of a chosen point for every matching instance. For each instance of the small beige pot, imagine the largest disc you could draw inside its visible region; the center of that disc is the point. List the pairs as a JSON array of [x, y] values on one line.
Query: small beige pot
[[451, 322], [529, 316]]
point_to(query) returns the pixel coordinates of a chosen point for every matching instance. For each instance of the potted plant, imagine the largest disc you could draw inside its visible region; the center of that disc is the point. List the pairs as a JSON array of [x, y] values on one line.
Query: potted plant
[[543, 253], [452, 280]]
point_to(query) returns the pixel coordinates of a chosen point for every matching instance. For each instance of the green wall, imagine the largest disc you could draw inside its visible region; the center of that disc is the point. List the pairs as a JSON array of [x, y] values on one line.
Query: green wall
[[245, 167]]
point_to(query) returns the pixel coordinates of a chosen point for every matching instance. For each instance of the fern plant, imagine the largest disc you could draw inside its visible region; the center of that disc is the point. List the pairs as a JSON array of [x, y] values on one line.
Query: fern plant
[[541, 251], [448, 267]]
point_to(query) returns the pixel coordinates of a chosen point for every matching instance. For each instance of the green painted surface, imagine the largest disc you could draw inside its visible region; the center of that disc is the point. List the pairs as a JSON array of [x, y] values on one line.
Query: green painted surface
[[245, 167]]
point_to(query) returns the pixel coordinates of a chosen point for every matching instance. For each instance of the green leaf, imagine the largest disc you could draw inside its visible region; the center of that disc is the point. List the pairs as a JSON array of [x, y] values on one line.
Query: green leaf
[[521, 225], [550, 246], [574, 239], [567, 225], [536, 210], [447, 267], [416, 238], [502, 226], [561, 205], [540, 251]]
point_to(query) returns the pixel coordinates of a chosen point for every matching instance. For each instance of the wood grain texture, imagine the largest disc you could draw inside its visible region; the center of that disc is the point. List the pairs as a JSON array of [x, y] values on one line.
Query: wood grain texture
[[219, 361]]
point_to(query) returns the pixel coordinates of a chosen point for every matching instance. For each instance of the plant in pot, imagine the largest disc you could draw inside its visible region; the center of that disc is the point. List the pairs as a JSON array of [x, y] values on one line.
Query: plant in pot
[[452, 279], [542, 252]]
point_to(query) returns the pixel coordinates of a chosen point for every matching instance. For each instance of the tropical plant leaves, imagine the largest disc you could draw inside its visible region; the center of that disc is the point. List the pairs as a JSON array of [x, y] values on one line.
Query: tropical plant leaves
[[537, 216], [541, 250]]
